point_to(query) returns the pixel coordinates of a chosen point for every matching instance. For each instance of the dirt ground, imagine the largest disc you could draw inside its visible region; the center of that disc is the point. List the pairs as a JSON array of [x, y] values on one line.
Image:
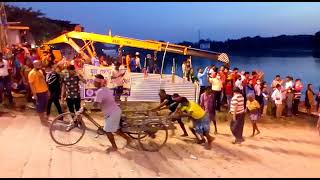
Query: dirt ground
[[285, 148]]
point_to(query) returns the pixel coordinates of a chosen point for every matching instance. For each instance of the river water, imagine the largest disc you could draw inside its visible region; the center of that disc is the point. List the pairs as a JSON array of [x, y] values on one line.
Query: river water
[[306, 68]]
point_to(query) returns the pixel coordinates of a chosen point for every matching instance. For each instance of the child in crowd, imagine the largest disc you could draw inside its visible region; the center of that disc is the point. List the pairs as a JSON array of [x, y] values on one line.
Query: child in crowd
[[253, 107], [207, 103]]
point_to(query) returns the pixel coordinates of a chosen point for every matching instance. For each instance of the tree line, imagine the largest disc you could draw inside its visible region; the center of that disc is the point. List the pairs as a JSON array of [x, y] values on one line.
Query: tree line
[[296, 44]]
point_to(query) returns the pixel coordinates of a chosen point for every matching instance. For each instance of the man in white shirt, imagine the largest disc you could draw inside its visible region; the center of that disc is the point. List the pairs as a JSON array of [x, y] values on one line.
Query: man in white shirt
[[5, 82], [212, 72], [277, 98], [238, 83], [288, 84], [137, 61], [217, 89], [258, 93]]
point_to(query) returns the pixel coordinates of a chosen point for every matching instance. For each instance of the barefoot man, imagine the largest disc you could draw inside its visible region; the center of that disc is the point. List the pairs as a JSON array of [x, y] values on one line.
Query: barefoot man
[[111, 111], [199, 117]]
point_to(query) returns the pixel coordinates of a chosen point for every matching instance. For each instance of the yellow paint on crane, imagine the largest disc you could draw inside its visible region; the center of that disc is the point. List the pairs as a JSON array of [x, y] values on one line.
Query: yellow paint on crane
[[130, 42]]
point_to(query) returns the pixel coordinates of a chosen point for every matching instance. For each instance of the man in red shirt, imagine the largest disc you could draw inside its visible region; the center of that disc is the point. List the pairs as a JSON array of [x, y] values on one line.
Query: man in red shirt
[[21, 57], [234, 75], [254, 77]]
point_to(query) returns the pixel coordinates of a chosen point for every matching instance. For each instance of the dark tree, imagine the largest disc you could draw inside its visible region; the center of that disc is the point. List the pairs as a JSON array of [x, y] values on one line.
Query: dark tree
[[41, 27]]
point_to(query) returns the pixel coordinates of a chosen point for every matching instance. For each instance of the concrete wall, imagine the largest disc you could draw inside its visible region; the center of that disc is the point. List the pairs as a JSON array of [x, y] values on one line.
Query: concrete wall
[[13, 36]]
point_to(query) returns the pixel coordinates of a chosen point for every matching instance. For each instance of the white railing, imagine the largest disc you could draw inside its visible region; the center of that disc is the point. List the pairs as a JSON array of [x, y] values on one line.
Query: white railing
[[147, 88]]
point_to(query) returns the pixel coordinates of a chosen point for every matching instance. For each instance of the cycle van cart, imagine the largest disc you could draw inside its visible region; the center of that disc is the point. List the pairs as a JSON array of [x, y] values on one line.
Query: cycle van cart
[[151, 131]]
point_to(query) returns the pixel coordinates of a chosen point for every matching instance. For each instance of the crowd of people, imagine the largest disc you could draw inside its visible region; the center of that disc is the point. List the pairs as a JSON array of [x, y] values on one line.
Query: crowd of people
[[45, 81], [240, 93]]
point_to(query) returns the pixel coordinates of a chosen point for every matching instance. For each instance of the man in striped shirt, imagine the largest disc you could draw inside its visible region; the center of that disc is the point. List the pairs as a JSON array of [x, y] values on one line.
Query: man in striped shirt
[[237, 111]]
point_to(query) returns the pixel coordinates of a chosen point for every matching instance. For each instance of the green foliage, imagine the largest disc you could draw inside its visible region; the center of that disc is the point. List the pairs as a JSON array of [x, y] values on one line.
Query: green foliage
[[41, 27]]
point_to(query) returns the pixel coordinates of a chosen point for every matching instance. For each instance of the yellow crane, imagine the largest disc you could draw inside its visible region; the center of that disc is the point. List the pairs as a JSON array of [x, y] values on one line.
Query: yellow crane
[[90, 38]]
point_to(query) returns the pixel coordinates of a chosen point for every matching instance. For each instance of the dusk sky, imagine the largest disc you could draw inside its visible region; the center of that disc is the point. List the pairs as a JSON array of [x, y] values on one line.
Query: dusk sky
[[179, 21]]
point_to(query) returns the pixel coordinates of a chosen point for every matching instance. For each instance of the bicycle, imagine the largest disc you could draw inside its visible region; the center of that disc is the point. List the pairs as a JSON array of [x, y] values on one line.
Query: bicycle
[[151, 131]]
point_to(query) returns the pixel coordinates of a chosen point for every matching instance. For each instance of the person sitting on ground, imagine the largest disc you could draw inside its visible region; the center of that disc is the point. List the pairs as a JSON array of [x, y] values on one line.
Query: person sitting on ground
[[111, 111], [253, 107], [166, 102], [198, 116], [207, 102]]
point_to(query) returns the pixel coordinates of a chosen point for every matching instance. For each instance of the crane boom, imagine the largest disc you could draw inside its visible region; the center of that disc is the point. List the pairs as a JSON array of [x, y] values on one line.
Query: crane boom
[[136, 43]]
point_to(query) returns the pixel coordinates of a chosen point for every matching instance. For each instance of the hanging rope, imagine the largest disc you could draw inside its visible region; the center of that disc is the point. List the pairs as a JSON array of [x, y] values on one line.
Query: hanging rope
[[164, 55]]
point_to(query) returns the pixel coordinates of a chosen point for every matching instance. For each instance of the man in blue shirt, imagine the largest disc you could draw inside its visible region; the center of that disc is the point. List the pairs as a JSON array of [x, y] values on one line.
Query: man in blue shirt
[[203, 79]]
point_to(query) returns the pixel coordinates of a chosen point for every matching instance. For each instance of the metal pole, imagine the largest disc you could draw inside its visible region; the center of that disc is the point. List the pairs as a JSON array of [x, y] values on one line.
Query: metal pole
[[164, 55], [173, 69]]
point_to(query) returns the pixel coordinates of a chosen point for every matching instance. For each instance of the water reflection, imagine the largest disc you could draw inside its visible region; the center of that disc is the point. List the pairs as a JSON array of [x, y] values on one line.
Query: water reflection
[[306, 68]]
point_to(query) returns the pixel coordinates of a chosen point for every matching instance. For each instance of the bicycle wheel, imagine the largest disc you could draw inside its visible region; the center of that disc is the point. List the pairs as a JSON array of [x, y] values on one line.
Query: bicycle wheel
[[67, 131], [153, 136], [135, 135]]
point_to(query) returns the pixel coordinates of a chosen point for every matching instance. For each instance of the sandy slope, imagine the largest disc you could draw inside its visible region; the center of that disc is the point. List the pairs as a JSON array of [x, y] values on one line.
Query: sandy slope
[[285, 148]]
